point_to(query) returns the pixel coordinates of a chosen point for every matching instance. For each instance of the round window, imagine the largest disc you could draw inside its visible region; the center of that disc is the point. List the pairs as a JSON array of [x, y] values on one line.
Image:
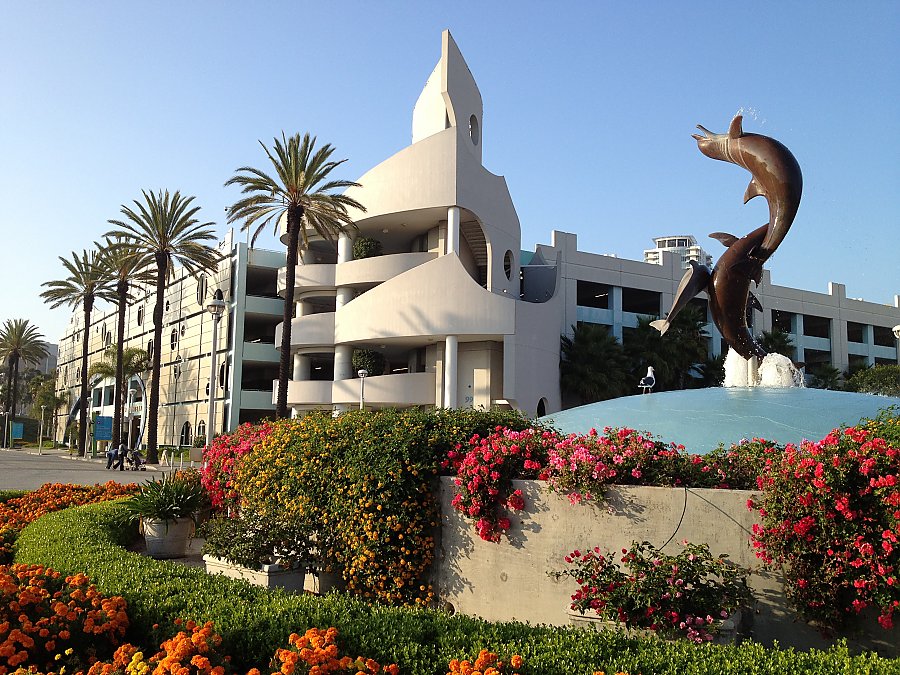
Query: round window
[[173, 339], [473, 129], [201, 290], [508, 264], [140, 316]]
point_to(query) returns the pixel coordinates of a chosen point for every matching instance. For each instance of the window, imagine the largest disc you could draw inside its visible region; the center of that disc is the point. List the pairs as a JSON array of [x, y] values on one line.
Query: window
[[186, 437], [855, 332], [223, 372], [167, 305], [150, 348], [639, 301], [182, 330], [201, 429], [473, 129], [883, 337], [816, 326], [592, 294], [173, 339], [201, 290], [507, 264], [140, 315], [782, 321], [107, 341]]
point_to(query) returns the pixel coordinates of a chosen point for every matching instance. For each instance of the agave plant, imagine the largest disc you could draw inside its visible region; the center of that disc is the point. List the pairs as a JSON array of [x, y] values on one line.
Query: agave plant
[[167, 500]]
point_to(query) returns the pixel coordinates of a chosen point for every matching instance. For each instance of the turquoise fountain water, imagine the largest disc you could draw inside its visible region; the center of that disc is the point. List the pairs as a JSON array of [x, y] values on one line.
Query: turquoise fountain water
[[700, 419]]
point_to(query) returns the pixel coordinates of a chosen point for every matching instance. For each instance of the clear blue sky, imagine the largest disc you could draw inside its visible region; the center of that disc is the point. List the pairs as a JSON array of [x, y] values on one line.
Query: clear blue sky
[[588, 111]]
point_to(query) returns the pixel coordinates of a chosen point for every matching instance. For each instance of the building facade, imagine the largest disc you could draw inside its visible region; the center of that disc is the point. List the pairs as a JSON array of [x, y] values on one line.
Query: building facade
[[246, 358], [458, 314]]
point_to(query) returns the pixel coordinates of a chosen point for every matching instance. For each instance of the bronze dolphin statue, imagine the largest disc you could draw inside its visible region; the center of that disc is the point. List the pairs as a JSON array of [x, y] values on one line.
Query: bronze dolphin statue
[[729, 292], [776, 176]]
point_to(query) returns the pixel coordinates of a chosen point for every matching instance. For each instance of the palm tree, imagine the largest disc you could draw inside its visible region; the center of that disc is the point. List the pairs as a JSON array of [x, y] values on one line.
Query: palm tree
[[163, 230], [825, 376], [777, 342], [303, 192], [123, 267], [673, 355], [86, 283], [122, 366], [20, 341], [593, 365]]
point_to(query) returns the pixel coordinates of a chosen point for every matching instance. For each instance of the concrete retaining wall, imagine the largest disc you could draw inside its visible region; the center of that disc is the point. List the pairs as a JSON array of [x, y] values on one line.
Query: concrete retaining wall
[[509, 581]]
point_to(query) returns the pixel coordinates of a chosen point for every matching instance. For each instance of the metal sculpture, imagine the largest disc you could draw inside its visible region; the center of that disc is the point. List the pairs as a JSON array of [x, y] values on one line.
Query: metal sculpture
[[776, 176]]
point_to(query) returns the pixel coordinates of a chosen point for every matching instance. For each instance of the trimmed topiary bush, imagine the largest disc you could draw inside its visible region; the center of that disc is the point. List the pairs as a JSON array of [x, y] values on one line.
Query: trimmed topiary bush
[[369, 359], [883, 379]]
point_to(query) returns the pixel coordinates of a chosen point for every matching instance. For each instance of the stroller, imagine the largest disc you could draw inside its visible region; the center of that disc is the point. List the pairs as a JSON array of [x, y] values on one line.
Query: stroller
[[135, 461]]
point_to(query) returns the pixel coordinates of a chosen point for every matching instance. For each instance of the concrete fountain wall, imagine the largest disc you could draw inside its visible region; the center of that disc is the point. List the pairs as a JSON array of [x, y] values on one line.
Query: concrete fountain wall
[[509, 580]]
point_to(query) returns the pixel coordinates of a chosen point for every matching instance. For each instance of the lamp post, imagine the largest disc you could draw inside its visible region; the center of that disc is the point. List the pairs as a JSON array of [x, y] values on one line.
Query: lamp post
[[5, 423], [363, 374], [41, 433], [896, 331], [216, 307]]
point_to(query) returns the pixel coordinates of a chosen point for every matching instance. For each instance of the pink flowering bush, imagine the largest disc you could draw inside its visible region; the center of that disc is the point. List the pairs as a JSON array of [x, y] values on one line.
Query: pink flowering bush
[[486, 470], [830, 515], [222, 459], [684, 595]]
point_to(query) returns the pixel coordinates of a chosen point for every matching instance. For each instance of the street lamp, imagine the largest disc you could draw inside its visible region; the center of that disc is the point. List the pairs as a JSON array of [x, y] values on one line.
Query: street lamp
[[5, 423], [896, 331], [216, 307], [41, 434], [363, 374]]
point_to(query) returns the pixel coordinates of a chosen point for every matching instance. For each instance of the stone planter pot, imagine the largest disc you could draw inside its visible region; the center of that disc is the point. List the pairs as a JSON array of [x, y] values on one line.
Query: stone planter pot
[[269, 576], [167, 538], [728, 631]]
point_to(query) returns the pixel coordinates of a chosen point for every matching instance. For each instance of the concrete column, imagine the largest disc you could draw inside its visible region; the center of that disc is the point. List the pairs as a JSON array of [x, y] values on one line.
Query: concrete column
[[344, 249], [301, 368], [343, 362], [615, 306], [799, 353], [869, 340], [453, 230], [451, 352]]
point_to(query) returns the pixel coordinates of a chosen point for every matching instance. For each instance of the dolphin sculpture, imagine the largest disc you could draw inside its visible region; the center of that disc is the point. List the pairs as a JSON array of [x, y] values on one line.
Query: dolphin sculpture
[[776, 176]]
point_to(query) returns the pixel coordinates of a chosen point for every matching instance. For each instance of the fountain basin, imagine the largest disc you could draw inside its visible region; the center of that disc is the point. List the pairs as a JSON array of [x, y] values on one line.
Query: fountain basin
[[700, 419]]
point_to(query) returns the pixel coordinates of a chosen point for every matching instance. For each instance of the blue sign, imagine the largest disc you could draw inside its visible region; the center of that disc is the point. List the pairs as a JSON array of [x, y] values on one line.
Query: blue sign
[[103, 428], [18, 431]]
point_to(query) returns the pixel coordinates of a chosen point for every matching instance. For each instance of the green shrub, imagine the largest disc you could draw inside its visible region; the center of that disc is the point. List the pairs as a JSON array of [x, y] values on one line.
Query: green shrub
[[6, 495], [366, 247], [883, 379], [363, 484], [251, 540], [370, 360], [255, 621]]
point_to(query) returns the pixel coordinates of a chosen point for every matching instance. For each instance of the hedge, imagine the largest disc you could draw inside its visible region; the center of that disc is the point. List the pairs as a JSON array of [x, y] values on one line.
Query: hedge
[[254, 621]]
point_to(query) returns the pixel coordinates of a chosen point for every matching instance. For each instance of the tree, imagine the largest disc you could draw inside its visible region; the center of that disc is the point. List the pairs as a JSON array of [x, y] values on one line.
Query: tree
[[711, 372], [301, 191], [43, 393], [20, 342], [777, 341], [86, 283], [675, 355], [593, 365], [123, 267], [164, 230], [825, 376], [881, 379], [123, 366]]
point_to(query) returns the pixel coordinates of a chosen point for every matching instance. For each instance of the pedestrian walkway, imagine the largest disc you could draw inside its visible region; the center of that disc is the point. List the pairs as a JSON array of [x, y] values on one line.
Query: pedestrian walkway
[[25, 469]]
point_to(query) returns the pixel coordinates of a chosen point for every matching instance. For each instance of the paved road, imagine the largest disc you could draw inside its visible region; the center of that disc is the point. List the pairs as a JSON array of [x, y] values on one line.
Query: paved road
[[26, 470]]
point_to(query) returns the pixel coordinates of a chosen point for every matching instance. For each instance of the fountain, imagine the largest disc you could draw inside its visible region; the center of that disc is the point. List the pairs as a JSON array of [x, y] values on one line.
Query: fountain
[[763, 394]]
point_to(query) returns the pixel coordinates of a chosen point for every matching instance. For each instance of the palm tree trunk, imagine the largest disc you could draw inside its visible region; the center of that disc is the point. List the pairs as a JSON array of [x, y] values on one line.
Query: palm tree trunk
[[162, 267], [82, 413], [15, 387], [122, 292], [294, 218], [8, 408]]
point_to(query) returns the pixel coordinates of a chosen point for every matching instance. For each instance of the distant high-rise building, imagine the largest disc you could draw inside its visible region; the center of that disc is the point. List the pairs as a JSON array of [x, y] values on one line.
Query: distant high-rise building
[[682, 245]]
